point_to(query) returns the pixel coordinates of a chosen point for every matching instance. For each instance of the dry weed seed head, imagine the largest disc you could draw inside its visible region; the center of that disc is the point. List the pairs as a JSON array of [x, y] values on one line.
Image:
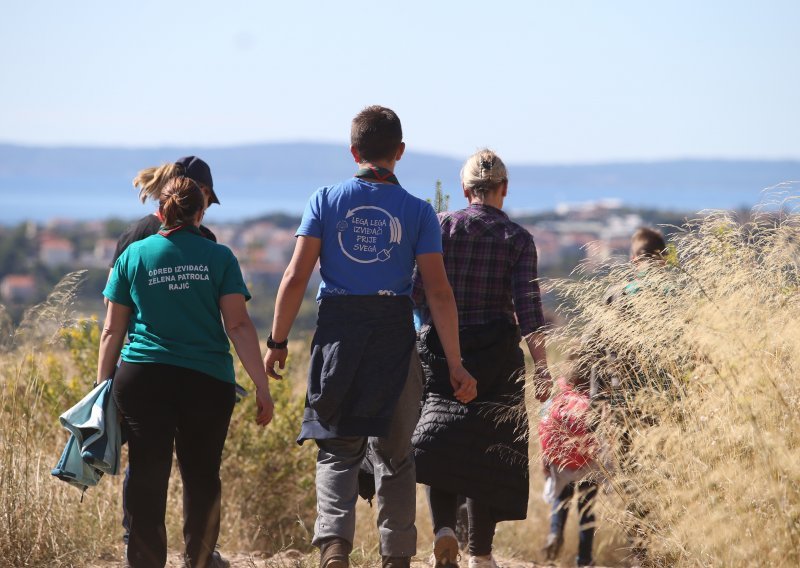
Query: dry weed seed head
[[704, 429]]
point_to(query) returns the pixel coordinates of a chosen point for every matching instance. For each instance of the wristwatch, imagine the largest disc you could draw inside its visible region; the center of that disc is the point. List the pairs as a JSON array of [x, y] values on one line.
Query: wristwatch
[[272, 344]]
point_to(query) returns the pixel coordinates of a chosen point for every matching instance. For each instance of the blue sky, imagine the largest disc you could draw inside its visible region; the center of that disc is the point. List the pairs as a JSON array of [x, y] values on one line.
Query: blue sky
[[541, 82]]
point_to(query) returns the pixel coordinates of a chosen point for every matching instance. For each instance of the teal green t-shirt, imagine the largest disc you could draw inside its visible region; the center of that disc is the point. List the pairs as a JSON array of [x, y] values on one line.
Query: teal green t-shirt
[[173, 285]]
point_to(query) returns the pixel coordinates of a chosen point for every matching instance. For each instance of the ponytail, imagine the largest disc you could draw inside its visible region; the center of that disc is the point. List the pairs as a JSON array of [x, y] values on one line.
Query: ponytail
[[151, 181]]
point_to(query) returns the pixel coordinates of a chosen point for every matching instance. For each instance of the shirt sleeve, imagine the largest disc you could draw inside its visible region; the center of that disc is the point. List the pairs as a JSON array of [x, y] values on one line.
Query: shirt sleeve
[[123, 242], [430, 232], [232, 279], [311, 224], [525, 288], [118, 287]]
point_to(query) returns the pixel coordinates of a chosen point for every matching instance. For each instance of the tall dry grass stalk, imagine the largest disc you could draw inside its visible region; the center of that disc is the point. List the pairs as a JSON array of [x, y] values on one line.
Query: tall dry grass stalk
[[704, 429], [42, 521]]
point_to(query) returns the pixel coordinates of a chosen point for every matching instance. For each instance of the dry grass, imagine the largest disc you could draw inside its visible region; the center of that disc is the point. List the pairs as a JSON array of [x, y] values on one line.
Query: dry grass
[[714, 337], [713, 458], [46, 366]]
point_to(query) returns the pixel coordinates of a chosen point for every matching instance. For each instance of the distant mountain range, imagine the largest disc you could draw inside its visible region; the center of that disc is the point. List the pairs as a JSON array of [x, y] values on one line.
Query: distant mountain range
[[45, 182]]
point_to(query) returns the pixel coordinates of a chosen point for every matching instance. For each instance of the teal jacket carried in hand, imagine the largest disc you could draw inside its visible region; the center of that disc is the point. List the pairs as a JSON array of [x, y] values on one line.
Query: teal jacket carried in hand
[[94, 445]]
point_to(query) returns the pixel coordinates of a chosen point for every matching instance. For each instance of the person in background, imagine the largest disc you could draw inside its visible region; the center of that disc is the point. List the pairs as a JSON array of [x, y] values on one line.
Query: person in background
[[169, 293], [364, 380], [480, 450], [151, 181], [616, 378], [569, 451]]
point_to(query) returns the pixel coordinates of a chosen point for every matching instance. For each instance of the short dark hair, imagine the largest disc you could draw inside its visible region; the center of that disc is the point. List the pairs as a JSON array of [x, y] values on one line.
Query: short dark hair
[[648, 243], [376, 133]]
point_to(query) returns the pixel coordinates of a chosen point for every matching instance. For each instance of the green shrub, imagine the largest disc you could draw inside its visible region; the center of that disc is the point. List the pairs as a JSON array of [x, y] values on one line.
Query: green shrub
[[268, 480]]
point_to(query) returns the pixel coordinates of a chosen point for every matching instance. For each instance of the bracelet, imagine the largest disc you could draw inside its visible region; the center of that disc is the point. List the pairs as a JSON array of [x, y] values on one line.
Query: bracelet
[[272, 344]]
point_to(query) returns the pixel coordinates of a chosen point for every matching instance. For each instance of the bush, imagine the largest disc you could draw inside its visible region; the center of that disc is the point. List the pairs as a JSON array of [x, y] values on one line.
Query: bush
[[42, 521], [268, 480]]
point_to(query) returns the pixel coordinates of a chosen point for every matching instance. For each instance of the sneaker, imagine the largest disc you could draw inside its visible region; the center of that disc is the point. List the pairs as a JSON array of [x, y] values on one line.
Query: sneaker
[[335, 553], [553, 546], [482, 562], [445, 549], [396, 561]]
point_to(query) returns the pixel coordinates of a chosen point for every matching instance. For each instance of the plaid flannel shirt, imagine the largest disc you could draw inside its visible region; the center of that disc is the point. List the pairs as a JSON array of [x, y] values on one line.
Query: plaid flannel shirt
[[491, 265]]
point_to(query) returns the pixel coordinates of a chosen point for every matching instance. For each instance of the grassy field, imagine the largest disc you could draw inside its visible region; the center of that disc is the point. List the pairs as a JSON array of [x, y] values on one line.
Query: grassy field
[[712, 474]]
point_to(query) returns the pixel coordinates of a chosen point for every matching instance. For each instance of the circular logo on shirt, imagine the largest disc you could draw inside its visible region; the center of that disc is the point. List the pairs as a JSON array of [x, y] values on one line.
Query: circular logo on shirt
[[368, 234]]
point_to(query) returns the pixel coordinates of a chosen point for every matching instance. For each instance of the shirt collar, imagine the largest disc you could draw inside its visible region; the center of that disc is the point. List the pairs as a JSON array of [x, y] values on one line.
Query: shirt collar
[[188, 228], [487, 209]]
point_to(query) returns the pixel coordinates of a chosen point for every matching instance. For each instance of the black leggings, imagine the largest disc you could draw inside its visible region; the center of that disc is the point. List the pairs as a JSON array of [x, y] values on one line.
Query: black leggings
[[444, 512], [165, 405]]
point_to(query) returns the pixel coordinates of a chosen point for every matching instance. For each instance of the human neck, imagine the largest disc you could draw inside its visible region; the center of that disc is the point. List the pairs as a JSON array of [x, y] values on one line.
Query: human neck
[[491, 199], [385, 164]]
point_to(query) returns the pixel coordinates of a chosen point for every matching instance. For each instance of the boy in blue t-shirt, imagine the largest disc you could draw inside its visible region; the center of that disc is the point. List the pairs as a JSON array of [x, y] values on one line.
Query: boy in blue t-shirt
[[365, 381]]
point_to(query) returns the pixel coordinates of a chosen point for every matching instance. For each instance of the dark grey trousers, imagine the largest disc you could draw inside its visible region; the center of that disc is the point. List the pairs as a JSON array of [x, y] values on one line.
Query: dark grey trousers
[[338, 463]]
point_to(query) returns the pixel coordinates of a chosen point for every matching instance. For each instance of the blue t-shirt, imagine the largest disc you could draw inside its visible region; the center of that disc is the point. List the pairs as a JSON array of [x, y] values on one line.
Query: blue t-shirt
[[371, 235]]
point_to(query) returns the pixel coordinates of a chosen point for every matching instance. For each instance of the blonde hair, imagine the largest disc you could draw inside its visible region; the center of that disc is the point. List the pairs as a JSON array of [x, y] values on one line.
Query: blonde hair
[[483, 172], [180, 201], [151, 181]]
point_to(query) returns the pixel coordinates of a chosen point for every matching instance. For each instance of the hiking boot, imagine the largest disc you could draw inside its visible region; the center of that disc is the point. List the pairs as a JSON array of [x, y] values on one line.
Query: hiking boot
[[396, 561], [445, 549], [552, 546], [335, 553], [215, 561], [482, 562]]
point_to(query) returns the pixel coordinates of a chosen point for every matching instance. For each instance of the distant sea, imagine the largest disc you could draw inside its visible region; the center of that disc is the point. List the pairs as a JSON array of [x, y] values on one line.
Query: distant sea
[[101, 199], [42, 183], [79, 200]]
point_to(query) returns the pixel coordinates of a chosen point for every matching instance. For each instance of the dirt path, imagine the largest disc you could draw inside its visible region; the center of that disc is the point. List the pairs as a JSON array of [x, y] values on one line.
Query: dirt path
[[291, 559]]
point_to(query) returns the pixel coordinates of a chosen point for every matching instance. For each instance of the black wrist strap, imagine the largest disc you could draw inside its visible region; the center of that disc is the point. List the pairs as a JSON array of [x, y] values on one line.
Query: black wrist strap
[[272, 344]]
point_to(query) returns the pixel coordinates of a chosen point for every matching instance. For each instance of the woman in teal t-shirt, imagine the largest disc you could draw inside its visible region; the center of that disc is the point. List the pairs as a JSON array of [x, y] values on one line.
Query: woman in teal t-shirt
[[175, 386]]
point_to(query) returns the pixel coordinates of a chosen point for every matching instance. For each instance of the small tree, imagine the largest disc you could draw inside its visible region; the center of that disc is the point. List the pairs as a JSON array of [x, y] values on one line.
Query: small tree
[[440, 202]]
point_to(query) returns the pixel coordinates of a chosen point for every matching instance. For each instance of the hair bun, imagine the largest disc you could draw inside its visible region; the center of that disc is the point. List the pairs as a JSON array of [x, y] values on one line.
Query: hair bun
[[483, 172]]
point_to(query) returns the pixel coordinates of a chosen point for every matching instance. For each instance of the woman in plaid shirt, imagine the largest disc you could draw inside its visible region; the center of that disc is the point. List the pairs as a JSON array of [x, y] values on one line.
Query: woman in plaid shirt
[[480, 450]]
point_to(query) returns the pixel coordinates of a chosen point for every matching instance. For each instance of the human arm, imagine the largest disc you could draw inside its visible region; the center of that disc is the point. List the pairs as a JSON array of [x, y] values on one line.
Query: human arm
[[442, 305], [112, 337], [528, 307], [242, 333], [542, 382], [290, 296]]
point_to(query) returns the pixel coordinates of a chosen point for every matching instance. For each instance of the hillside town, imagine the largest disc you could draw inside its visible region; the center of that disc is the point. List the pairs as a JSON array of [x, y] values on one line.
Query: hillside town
[[33, 257]]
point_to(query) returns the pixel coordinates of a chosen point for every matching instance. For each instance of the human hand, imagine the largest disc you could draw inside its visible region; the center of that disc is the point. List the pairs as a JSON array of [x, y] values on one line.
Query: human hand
[[264, 407], [465, 387], [275, 356], [542, 384]]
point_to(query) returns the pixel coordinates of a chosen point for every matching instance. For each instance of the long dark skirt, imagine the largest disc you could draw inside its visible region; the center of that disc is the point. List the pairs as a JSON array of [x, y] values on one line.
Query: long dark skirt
[[478, 450]]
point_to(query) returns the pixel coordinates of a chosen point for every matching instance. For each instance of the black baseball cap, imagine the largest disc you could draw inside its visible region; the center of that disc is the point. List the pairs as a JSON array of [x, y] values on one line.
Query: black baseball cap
[[198, 170]]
